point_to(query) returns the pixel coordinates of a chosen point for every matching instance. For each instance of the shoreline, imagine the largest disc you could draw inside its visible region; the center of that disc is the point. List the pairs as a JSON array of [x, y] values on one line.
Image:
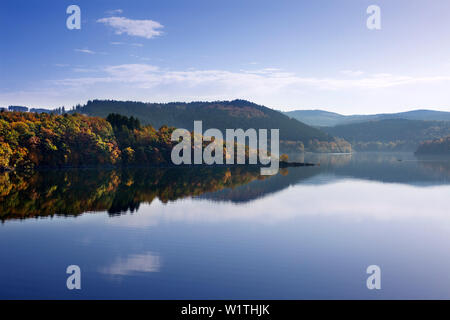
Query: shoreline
[[282, 164]]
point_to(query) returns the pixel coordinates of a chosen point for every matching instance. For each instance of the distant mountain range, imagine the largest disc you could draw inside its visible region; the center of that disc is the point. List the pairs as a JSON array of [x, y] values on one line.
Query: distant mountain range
[[390, 134], [321, 118], [403, 131], [294, 135]]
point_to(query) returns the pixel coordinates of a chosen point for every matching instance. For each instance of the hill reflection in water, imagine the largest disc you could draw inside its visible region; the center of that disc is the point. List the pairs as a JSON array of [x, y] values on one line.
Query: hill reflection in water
[[74, 192]]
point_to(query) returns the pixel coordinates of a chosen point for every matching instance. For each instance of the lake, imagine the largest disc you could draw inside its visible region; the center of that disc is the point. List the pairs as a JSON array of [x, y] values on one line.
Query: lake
[[229, 233]]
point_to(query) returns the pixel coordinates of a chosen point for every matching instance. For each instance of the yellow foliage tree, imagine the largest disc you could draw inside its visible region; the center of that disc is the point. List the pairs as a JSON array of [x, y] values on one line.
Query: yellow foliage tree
[[284, 157]]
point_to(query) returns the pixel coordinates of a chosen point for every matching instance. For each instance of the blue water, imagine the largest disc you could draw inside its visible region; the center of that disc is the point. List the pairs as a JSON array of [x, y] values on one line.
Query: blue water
[[303, 234]]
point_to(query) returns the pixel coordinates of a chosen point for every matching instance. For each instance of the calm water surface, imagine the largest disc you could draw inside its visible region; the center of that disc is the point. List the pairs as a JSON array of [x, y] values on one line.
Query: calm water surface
[[230, 233]]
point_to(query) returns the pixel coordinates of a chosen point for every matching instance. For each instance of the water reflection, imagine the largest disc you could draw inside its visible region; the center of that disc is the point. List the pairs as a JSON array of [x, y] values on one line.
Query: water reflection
[[228, 233], [74, 192], [345, 199], [403, 168], [145, 262]]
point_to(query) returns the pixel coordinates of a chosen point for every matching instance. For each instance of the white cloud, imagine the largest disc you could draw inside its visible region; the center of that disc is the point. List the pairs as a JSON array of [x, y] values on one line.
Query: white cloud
[[115, 11], [352, 73], [84, 70], [118, 43], [85, 51], [368, 93], [261, 80], [138, 28]]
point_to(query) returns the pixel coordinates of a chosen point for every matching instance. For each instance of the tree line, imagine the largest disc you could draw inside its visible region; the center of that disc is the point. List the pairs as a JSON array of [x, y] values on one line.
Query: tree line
[[29, 140], [437, 146]]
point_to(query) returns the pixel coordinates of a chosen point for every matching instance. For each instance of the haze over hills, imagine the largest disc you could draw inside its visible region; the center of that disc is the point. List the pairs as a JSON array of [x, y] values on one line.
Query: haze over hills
[[294, 135], [403, 131], [321, 118], [390, 134]]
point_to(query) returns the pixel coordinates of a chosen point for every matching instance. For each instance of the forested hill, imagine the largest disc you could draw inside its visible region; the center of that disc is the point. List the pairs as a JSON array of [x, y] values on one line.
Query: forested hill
[[436, 147], [390, 135], [29, 140], [221, 115]]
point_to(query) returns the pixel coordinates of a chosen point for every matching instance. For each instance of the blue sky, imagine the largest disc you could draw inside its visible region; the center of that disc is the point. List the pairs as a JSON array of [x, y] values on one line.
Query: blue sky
[[283, 54]]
